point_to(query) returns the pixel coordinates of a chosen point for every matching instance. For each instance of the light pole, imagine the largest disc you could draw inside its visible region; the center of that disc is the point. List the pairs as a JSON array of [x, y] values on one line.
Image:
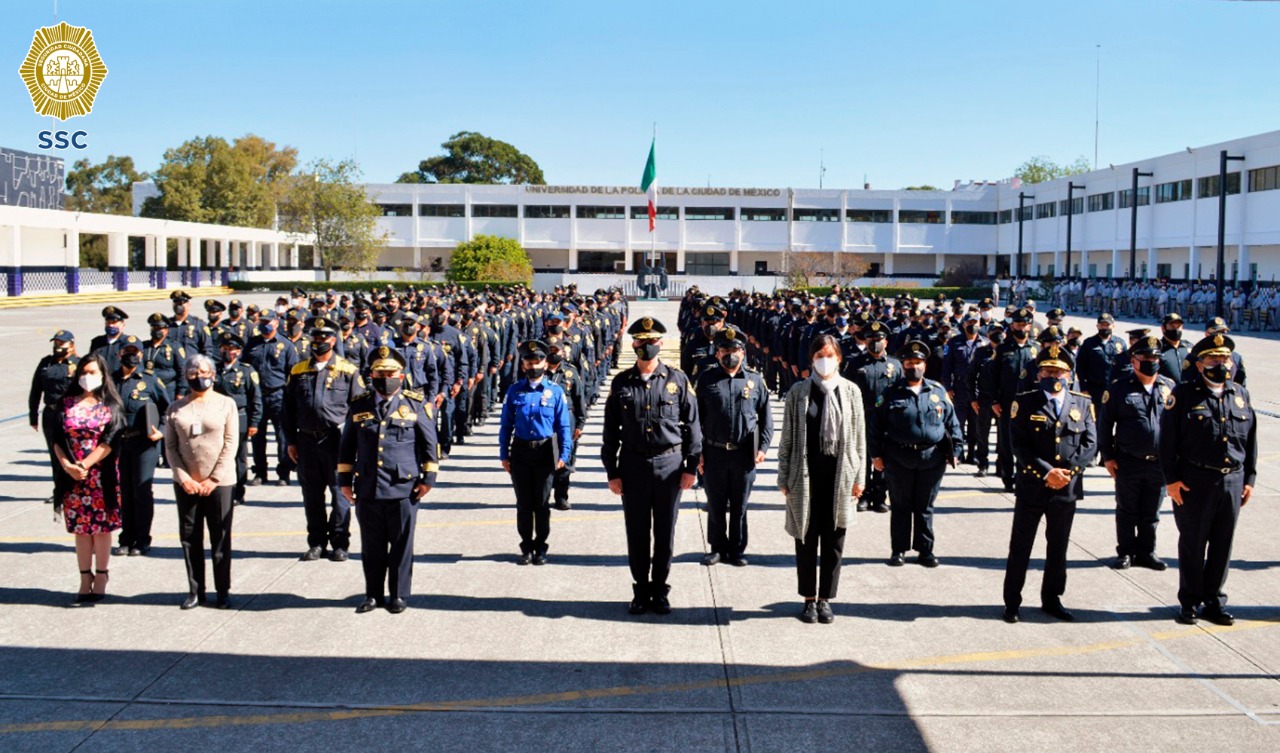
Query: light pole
[[1022, 202], [1071, 190], [1223, 158], [1133, 222]]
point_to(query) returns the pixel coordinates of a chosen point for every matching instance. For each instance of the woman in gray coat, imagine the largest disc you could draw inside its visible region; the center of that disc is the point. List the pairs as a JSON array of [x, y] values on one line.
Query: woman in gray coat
[[821, 470]]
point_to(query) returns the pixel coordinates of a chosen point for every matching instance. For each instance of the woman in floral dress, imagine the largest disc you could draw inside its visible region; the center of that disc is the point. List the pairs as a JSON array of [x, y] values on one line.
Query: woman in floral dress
[[89, 482]]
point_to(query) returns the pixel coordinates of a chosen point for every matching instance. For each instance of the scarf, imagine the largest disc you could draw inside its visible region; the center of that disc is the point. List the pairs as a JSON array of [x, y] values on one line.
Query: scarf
[[831, 414]]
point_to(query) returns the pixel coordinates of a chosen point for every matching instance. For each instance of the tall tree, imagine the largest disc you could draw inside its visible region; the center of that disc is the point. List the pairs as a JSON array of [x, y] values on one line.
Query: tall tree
[[326, 201], [474, 158], [207, 179], [1040, 168], [104, 188]]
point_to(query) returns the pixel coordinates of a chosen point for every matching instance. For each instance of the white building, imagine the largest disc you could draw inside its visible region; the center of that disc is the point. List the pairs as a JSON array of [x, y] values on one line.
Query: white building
[[747, 231]]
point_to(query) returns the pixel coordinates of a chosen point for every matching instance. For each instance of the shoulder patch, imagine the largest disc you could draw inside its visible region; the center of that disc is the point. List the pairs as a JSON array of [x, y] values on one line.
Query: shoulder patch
[[253, 377], [413, 395], [1106, 395], [1013, 410], [302, 367], [1169, 401]]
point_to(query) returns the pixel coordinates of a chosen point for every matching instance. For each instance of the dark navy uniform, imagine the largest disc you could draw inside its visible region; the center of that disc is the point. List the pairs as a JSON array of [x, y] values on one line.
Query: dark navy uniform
[[145, 401], [1014, 372], [1209, 443], [49, 384], [189, 331], [273, 357], [315, 404], [958, 367], [1097, 356], [536, 434], [983, 383], [388, 448], [108, 344], [163, 359], [915, 434], [1173, 353], [737, 425], [1129, 435], [651, 437], [1047, 434], [240, 382], [873, 376], [571, 382]]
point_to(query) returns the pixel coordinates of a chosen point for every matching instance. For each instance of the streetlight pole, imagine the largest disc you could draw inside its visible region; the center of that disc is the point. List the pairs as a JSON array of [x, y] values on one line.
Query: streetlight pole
[[1133, 222], [1071, 191], [1022, 202], [1223, 158]]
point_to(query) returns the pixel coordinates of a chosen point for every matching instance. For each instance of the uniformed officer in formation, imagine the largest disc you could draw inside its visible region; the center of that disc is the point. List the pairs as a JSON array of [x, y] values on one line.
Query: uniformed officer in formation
[[1174, 349], [237, 323], [959, 367], [108, 343], [561, 373], [535, 440], [163, 359], [144, 400], [387, 463], [914, 436], [49, 385], [1209, 452], [1011, 375], [1054, 438], [316, 399], [1097, 355], [273, 357], [982, 380], [651, 445], [1129, 441], [238, 381], [873, 372], [189, 331], [737, 428]]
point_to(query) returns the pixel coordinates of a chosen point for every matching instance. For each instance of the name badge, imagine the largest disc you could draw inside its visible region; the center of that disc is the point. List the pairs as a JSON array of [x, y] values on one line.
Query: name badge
[[196, 429]]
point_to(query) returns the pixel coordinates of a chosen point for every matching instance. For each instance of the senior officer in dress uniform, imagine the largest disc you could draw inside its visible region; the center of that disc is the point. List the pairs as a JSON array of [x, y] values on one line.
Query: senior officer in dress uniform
[[145, 401], [1209, 451], [49, 384], [535, 440], [914, 436], [387, 462], [315, 403], [737, 428], [1129, 440], [1054, 437], [239, 382], [651, 444]]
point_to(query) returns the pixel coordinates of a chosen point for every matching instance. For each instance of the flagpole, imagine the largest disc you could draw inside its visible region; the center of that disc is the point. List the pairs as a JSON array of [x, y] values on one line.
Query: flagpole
[[653, 234]]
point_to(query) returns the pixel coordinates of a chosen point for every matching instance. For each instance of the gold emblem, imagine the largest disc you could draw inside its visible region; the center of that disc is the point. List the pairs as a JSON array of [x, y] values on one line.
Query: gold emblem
[[1239, 402], [1053, 351], [1106, 396], [1169, 400], [934, 398], [63, 71], [1074, 414], [730, 334], [672, 389], [1013, 410], [1217, 340], [404, 411], [646, 324]]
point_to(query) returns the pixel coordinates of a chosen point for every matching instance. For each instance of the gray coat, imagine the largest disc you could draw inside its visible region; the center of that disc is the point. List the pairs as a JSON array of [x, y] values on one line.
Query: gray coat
[[793, 470]]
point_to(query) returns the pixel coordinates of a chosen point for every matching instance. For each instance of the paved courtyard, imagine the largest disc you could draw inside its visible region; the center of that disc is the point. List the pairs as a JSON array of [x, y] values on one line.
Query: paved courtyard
[[493, 656]]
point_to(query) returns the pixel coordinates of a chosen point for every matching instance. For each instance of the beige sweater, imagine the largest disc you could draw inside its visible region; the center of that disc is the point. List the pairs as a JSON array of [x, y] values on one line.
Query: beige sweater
[[793, 468], [212, 453]]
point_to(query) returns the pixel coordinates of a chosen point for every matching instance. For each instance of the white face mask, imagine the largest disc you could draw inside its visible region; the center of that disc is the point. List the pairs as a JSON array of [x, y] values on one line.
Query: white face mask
[[282, 309], [90, 382], [826, 366]]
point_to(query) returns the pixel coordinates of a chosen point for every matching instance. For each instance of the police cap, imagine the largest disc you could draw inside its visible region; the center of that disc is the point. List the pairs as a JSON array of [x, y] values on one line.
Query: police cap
[[1145, 346], [213, 305], [112, 313], [730, 337], [230, 340], [646, 328], [180, 296], [383, 358], [913, 349], [1055, 356], [64, 335], [1213, 345], [322, 325], [533, 350]]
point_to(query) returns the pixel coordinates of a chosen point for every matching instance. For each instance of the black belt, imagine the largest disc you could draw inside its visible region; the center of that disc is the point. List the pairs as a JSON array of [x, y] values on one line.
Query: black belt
[[531, 444], [725, 445], [1145, 458], [915, 447], [651, 452], [1214, 468], [316, 432]]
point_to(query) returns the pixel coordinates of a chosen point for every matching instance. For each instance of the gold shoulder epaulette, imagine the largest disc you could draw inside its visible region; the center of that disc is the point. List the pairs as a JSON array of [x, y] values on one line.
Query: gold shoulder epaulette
[[301, 367], [414, 395]]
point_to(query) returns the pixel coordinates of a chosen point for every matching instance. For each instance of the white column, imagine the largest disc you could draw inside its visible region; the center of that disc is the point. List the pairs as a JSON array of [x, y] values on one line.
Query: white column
[[1119, 267], [117, 250], [940, 263], [295, 259], [1193, 262], [71, 254], [1058, 256], [680, 256], [1242, 257], [194, 253], [573, 238], [1152, 257], [887, 267]]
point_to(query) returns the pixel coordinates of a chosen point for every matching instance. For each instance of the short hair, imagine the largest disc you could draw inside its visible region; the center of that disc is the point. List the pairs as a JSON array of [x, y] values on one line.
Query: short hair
[[822, 341], [197, 362]]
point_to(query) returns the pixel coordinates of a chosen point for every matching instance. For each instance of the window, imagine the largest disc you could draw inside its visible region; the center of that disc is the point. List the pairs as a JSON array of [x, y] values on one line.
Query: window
[[924, 216], [869, 215], [661, 213], [601, 213], [441, 210], [1126, 197], [493, 210], [396, 210], [708, 213], [1047, 209], [757, 214], [1006, 216], [1178, 190], [546, 212], [1077, 206], [707, 264], [1208, 185], [598, 261], [973, 218], [815, 215], [1025, 213], [1101, 202], [1264, 179]]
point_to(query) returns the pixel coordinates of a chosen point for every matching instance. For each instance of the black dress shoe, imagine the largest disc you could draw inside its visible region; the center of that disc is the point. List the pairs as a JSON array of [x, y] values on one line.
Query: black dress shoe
[[526, 558], [1010, 615], [257, 481], [982, 473], [224, 601], [928, 560], [562, 504], [880, 507], [368, 605], [638, 605], [539, 559], [1059, 611], [711, 559], [1217, 616], [313, 554], [1008, 486], [739, 562], [825, 615], [193, 600], [120, 551], [810, 613], [1123, 562], [135, 551], [339, 555], [897, 560], [282, 481], [863, 506], [1187, 616], [660, 605], [1150, 561], [397, 605]]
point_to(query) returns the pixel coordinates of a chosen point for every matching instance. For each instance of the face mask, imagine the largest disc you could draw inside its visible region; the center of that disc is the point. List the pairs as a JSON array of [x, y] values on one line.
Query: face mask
[[826, 366], [709, 330], [214, 319], [970, 329], [409, 330], [842, 321], [913, 374], [199, 383], [61, 350], [295, 329], [282, 309], [230, 356], [1104, 333], [555, 329], [1019, 334], [1174, 335], [266, 329], [386, 386], [234, 313], [90, 382], [1218, 373], [157, 334], [1053, 385], [178, 308], [1073, 342], [438, 320], [535, 372], [130, 360], [555, 359], [1148, 368], [731, 361], [876, 346], [320, 347], [112, 330], [648, 351]]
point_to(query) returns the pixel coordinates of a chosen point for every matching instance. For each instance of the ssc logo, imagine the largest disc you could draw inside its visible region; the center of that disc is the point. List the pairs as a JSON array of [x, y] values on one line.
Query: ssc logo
[[63, 71]]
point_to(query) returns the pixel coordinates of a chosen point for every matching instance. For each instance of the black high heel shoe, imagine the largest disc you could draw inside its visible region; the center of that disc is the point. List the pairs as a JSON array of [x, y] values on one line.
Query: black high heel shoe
[[99, 596], [82, 598]]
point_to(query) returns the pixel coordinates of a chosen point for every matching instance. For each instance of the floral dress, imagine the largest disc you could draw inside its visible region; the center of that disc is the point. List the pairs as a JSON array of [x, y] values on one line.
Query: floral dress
[[90, 506]]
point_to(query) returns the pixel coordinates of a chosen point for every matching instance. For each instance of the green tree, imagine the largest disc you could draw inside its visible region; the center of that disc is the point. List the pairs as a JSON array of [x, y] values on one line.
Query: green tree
[[104, 188], [1040, 168], [925, 187], [326, 201], [490, 257], [207, 179], [474, 158]]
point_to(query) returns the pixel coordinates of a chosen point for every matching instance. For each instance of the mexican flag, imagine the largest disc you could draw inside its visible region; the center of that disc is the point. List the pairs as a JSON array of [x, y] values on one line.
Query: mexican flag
[[649, 184]]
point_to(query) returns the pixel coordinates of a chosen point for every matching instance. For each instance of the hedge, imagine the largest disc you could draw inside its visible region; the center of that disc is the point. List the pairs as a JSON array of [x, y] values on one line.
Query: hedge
[[351, 286], [974, 293]]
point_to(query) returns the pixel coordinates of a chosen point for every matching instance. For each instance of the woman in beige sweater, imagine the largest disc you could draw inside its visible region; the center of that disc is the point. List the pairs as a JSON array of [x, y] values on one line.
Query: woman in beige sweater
[[201, 437]]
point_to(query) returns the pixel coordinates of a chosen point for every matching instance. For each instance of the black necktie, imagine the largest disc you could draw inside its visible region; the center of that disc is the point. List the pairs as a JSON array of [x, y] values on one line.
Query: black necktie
[[382, 409]]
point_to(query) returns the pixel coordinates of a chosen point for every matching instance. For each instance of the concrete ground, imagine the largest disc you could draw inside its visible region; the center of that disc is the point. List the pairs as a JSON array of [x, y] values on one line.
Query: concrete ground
[[493, 656]]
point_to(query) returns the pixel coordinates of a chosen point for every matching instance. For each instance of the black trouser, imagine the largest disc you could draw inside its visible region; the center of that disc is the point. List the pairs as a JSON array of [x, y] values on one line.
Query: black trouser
[[728, 476], [242, 465], [562, 476], [1206, 527], [982, 435], [820, 578], [318, 473], [194, 514], [138, 459], [1139, 492], [912, 492], [968, 424], [444, 430], [533, 470], [877, 487], [273, 417], [1033, 501], [386, 546], [1004, 446], [49, 418], [650, 503], [461, 414]]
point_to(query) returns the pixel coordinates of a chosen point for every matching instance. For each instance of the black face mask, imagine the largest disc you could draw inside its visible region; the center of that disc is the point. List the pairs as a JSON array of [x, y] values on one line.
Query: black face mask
[[1104, 334], [1218, 373], [1020, 334], [648, 351], [199, 384], [438, 320], [1073, 342], [1148, 368], [970, 329], [295, 329], [409, 330], [320, 347], [913, 374], [386, 386], [731, 361], [178, 308], [555, 359], [709, 330], [876, 346], [535, 373], [554, 329], [1173, 335], [130, 360], [61, 351]]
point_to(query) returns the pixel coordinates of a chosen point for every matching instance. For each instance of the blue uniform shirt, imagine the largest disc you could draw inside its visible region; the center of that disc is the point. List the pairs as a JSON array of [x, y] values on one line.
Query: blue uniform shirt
[[536, 412]]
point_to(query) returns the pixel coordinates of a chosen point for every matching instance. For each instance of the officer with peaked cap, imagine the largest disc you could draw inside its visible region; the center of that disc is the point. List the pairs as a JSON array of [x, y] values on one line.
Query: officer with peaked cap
[[570, 380], [214, 309], [108, 343], [1013, 369], [1097, 354], [162, 358], [652, 441], [236, 322], [273, 357], [914, 436], [189, 331], [1174, 348], [144, 400], [1054, 438], [874, 372], [49, 384], [387, 463], [1209, 452], [1217, 326], [238, 381]]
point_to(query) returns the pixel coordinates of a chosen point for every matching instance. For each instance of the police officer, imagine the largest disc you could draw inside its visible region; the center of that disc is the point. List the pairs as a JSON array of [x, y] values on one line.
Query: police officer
[[958, 366], [162, 359], [353, 345], [698, 343], [1129, 440], [420, 371], [651, 444], [1174, 350], [236, 323], [239, 382], [877, 370], [189, 331], [982, 383], [48, 386], [387, 463], [914, 436], [273, 357], [1097, 354], [561, 373], [1054, 437], [214, 309], [1209, 451], [144, 400], [315, 403], [1015, 358], [535, 440], [737, 428], [108, 343]]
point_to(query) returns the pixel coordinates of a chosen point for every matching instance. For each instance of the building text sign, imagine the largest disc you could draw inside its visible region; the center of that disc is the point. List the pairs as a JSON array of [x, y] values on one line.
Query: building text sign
[[662, 191]]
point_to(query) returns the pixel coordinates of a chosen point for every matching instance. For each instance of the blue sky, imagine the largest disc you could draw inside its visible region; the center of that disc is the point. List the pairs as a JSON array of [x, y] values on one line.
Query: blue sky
[[743, 93]]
